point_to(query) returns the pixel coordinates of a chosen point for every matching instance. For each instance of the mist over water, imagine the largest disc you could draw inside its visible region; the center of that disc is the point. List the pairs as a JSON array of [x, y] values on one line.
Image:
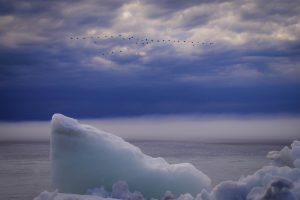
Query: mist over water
[[211, 129]]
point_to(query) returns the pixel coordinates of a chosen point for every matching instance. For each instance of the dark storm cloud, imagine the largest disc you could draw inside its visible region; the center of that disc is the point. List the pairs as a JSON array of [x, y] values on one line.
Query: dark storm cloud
[[253, 66]]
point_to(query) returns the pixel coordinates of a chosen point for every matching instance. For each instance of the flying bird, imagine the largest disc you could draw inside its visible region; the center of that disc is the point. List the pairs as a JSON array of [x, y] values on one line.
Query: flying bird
[[137, 41]]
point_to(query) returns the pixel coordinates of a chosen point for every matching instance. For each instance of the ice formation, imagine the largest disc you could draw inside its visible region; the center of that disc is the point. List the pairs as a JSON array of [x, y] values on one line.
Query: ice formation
[[268, 183], [286, 156], [84, 157], [280, 183]]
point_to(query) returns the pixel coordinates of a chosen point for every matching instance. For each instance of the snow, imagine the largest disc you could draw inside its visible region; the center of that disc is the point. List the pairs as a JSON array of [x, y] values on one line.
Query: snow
[[74, 146], [84, 158]]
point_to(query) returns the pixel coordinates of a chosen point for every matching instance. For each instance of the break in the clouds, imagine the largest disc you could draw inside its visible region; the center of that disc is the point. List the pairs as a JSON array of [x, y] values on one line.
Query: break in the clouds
[[253, 66]]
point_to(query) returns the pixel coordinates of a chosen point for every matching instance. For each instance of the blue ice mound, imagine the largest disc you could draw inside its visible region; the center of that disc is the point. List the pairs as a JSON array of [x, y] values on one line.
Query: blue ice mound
[[84, 157]]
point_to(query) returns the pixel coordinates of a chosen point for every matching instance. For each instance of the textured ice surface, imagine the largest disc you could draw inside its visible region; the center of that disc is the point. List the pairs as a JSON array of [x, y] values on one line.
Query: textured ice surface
[[120, 190], [286, 156], [84, 157], [270, 182], [278, 182]]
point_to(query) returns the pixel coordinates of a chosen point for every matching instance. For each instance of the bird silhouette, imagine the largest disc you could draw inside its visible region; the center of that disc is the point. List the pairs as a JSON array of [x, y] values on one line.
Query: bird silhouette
[[96, 39]]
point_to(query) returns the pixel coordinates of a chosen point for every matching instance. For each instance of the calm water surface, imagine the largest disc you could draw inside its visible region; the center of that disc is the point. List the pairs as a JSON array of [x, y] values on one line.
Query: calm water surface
[[25, 167]]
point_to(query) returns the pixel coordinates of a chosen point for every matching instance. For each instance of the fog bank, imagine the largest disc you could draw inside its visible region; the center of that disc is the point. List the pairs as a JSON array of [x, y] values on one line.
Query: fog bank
[[230, 129]]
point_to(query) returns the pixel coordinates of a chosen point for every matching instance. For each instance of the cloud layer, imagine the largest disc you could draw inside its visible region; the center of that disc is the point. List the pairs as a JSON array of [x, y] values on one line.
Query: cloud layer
[[253, 66]]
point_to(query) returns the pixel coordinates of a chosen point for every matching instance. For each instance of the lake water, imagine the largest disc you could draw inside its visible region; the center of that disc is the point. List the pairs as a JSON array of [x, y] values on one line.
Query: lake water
[[25, 167]]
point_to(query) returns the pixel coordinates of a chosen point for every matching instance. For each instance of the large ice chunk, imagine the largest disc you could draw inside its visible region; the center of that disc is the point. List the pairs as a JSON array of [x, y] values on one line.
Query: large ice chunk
[[84, 157]]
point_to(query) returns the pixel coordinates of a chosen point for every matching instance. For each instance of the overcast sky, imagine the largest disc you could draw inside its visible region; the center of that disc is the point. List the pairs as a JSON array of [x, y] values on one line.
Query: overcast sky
[[253, 66]]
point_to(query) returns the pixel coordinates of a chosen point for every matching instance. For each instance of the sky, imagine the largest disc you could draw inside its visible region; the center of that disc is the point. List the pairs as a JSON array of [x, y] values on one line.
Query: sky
[[252, 68]]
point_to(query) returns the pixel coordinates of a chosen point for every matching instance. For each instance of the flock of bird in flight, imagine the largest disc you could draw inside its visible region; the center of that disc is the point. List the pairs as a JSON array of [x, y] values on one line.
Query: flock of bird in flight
[[140, 41]]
